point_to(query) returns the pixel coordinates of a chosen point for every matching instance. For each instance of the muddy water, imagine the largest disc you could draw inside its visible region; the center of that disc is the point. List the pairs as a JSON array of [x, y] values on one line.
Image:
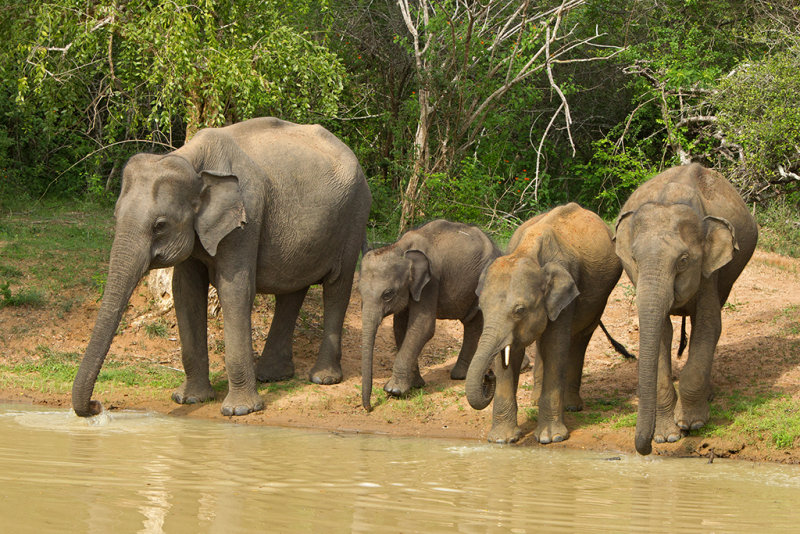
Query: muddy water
[[136, 472]]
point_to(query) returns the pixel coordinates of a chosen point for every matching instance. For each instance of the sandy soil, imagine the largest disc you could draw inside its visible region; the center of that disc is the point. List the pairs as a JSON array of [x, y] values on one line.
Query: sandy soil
[[759, 352]]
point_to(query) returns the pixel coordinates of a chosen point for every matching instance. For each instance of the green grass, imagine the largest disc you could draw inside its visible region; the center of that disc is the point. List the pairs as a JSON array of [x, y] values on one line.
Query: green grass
[[625, 420], [156, 329], [53, 371], [772, 418], [50, 247], [25, 297], [288, 386]]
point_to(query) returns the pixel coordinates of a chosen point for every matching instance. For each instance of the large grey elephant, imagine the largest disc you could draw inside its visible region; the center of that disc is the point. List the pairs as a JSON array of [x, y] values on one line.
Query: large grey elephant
[[263, 206], [550, 288], [684, 237], [429, 273]]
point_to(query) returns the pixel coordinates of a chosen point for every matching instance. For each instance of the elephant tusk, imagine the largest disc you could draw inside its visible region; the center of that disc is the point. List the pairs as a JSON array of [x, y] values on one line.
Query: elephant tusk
[[506, 356]]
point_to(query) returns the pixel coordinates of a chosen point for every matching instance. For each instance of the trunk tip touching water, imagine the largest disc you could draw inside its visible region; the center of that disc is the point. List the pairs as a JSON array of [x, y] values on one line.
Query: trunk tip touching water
[[644, 445]]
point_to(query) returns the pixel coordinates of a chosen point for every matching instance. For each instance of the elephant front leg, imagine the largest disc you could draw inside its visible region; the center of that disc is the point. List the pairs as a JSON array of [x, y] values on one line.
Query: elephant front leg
[[190, 292], [554, 349], [236, 294], [666, 430], [276, 363], [692, 410], [504, 407], [420, 328], [472, 334]]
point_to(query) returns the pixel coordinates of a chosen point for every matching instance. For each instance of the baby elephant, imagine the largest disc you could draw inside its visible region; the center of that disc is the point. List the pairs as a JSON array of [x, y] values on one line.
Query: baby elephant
[[430, 273], [551, 288]]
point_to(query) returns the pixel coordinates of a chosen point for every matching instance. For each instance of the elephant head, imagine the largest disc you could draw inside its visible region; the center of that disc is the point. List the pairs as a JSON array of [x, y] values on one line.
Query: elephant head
[[666, 248], [163, 206], [518, 296], [389, 278]]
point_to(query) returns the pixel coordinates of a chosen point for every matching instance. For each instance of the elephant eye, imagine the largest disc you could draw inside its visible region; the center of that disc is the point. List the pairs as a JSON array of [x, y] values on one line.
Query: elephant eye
[[683, 263], [160, 225], [388, 294], [519, 310]]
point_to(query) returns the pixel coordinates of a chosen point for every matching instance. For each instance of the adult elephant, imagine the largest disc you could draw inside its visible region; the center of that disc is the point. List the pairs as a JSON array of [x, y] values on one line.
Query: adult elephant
[[262, 206], [429, 273], [684, 237], [550, 288]]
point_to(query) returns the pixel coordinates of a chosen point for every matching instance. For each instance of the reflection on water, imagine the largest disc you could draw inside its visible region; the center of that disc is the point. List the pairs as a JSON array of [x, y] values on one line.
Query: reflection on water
[[135, 472]]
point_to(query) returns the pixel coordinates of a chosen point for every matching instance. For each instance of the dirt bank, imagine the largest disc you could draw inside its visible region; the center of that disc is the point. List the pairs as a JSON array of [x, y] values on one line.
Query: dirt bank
[[758, 357]]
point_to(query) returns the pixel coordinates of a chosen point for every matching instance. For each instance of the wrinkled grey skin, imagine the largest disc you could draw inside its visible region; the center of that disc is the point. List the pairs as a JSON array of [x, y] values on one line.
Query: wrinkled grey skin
[[683, 238], [263, 206], [429, 273], [550, 288]]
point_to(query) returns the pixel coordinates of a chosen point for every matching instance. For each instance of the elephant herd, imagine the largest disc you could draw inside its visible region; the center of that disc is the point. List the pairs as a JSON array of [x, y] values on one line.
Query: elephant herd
[[267, 206]]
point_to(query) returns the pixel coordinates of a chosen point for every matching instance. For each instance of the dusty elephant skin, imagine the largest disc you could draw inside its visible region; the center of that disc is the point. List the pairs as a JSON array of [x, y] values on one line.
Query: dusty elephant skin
[[429, 273], [683, 238], [263, 206], [550, 288]]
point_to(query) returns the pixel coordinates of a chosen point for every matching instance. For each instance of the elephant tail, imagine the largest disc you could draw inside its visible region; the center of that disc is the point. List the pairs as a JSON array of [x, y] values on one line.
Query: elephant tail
[[684, 339], [619, 347]]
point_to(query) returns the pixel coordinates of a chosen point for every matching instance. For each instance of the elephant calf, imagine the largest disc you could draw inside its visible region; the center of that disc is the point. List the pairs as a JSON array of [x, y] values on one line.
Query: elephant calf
[[430, 273], [684, 237], [551, 288]]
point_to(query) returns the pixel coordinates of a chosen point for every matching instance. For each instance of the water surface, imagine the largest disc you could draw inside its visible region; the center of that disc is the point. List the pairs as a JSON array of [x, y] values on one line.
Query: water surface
[[139, 472]]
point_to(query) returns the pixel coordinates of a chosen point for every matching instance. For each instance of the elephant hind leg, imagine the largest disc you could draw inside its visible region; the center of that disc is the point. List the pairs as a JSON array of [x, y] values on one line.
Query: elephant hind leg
[[276, 363], [335, 299]]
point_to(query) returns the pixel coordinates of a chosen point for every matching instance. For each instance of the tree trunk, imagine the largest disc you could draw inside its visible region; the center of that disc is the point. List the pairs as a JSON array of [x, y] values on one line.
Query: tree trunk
[[420, 167]]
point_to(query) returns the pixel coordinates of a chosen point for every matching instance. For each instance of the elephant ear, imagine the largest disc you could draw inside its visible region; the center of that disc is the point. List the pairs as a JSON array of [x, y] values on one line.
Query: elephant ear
[[420, 272], [623, 247], [220, 209], [720, 244], [560, 291], [482, 279]]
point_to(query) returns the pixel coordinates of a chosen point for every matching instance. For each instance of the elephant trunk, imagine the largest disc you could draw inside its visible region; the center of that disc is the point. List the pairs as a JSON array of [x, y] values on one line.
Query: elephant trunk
[[127, 266], [654, 299], [480, 385], [370, 321]]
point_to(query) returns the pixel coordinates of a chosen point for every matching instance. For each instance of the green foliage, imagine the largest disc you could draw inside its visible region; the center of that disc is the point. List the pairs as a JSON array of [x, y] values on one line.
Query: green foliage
[[611, 175], [759, 108], [779, 223], [77, 77]]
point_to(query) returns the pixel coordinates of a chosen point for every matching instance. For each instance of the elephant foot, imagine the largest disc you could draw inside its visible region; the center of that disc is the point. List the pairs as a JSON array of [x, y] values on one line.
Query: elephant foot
[[459, 371], [691, 416], [504, 433], [551, 432], [241, 403], [274, 369], [573, 402], [326, 375], [187, 394], [397, 387], [666, 430]]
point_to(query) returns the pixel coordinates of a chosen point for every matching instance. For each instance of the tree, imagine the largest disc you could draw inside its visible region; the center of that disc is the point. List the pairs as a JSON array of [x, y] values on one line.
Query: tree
[[160, 70], [468, 57]]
